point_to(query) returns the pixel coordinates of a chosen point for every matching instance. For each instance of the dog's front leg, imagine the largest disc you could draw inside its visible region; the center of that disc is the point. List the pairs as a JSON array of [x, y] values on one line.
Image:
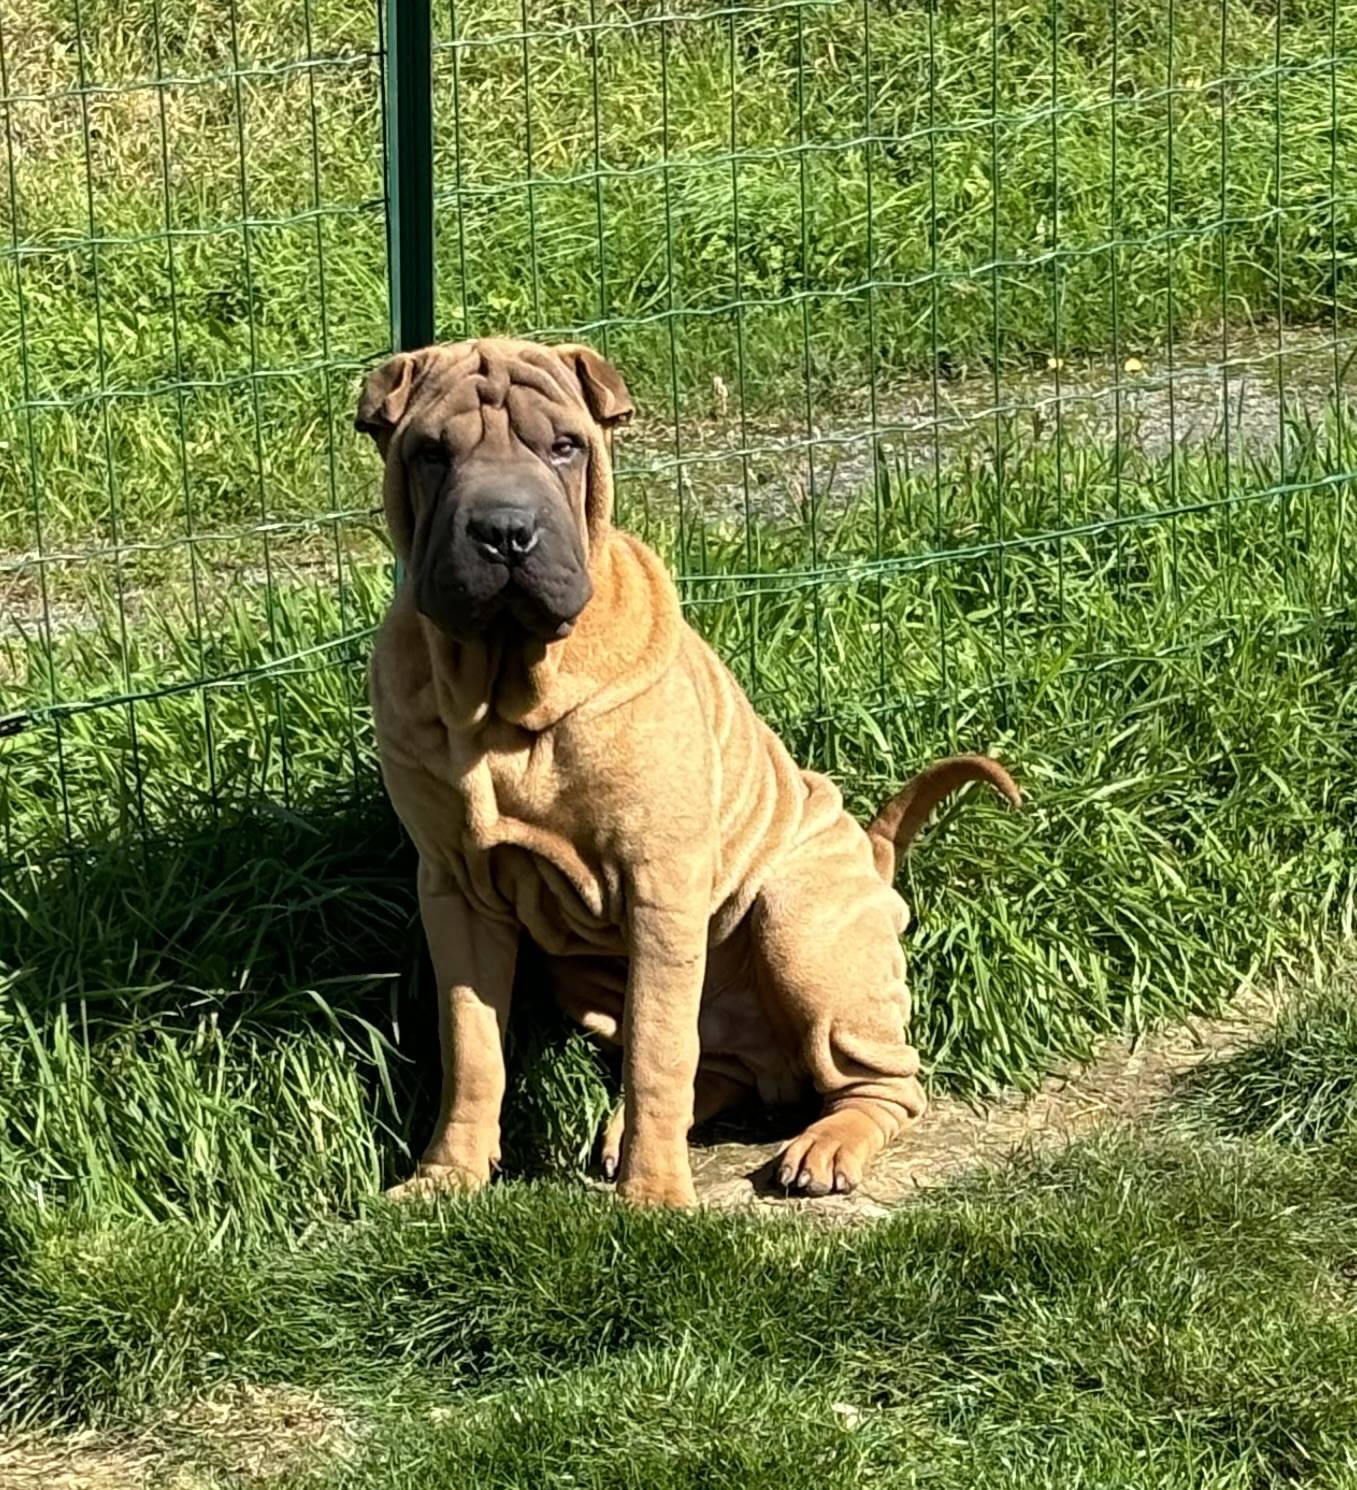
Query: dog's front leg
[[667, 960], [473, 960]]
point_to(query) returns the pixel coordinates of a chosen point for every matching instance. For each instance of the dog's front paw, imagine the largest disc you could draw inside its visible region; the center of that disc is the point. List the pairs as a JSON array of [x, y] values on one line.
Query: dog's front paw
[[432, 1180], [610, 1146], [669, 1191]]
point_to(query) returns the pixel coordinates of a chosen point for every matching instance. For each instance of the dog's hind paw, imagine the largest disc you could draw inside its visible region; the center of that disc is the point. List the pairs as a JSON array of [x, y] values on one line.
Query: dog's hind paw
[[830, 1156], [610, 1146]]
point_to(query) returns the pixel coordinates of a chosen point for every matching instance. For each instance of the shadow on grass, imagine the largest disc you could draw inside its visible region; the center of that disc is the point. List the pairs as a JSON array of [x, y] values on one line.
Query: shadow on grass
[[1297, 1084], [268, 930], [243, 911], [273, 936]]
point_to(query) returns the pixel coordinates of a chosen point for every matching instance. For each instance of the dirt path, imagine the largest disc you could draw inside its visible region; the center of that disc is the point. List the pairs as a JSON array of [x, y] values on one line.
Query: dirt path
[[240, 1436], [1240, 394], [1123, 1083]]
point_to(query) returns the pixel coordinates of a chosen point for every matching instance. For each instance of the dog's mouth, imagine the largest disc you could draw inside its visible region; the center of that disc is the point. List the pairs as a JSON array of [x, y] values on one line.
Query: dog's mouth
[[539, 622], [497, 564], [481, 599]]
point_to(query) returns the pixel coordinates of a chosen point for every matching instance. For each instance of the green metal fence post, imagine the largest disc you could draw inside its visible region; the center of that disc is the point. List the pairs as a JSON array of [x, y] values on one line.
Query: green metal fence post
[[409, 176], [409, 172]]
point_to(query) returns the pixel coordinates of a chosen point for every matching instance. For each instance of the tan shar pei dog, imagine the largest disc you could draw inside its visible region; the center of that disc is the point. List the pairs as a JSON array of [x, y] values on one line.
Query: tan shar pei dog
[[583, 778]]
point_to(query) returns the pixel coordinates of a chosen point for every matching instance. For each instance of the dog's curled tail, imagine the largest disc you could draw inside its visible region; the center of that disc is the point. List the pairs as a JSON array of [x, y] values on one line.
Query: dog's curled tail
[[893, 828]]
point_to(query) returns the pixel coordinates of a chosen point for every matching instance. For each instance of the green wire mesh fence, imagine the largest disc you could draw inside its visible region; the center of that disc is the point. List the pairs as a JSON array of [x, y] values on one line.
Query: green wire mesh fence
[[988, 353]]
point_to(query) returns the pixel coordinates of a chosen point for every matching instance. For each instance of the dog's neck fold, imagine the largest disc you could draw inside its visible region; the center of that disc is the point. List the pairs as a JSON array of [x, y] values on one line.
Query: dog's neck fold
[[626, 637]]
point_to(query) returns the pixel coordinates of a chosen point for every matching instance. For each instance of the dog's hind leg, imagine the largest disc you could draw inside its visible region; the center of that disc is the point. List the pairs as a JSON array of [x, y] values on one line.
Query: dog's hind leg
[[827, 935]]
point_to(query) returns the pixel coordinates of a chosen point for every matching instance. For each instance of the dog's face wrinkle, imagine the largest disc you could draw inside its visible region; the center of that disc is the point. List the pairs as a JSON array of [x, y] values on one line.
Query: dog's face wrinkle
[[432, 468], [483, 437]]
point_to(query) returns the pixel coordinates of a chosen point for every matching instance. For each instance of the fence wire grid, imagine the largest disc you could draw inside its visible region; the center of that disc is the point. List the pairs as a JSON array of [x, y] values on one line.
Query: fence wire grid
[[985, 352]]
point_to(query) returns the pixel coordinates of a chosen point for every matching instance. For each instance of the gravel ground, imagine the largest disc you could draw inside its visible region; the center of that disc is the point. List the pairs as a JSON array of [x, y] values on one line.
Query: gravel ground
[[1245, 390]]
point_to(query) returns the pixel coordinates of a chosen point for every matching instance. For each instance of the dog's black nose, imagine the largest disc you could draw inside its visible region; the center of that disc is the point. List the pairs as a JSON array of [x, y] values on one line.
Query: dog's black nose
[[505, 534]]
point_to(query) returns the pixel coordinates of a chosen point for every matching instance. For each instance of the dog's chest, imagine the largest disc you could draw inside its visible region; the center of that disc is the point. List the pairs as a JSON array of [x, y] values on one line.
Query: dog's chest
[[529, 844]]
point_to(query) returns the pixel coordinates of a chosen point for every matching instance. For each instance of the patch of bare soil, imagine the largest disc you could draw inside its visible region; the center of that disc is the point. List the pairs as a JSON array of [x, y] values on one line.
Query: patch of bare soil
[[247, 1436], [1125, 1082]]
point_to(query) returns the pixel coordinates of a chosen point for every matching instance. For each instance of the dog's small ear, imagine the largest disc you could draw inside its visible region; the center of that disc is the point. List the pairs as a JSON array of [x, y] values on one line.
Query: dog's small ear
[[604, 391], [385, 395]]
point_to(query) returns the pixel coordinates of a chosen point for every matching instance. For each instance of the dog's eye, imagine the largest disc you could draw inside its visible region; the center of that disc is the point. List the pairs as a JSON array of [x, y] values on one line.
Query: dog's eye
[[564, 448], [432, 456]]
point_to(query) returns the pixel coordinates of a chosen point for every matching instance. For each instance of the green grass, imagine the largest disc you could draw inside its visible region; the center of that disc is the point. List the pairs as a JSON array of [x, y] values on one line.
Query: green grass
[[1299, 1085], [1059, 258], [1172, 1305], [1075, 1319], [213, 1047], [205, 1027]]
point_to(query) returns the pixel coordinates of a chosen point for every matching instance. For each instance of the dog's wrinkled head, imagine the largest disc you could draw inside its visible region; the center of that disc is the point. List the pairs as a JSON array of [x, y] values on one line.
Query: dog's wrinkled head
[[498, 481]]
